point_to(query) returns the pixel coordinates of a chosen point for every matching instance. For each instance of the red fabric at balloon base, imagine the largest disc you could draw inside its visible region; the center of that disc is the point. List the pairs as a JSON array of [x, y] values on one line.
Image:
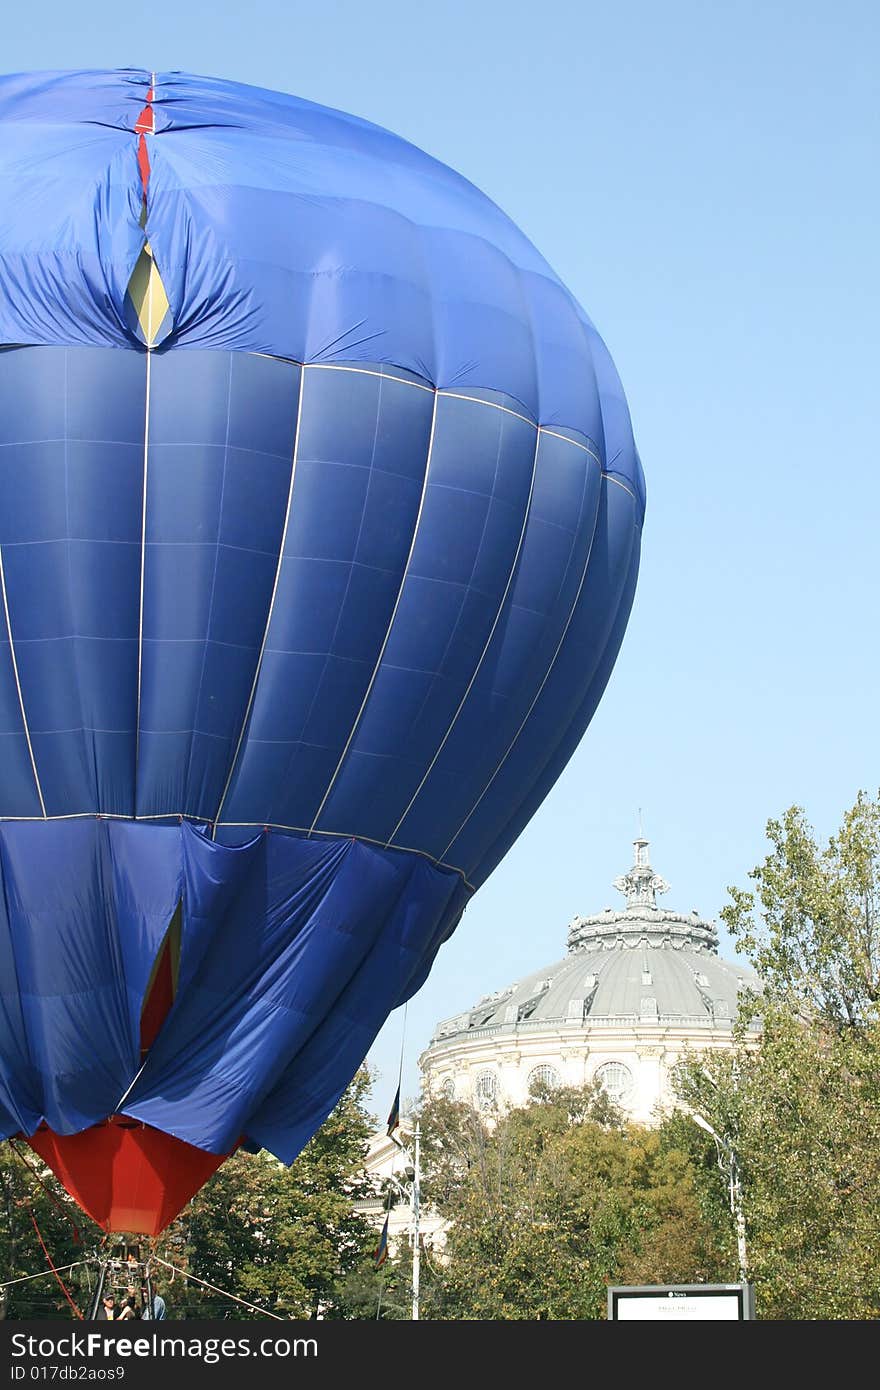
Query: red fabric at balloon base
[[126, 1175]]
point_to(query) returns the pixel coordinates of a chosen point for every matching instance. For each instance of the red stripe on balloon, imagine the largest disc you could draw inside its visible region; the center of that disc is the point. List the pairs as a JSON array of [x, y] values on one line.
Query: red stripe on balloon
[[159, 999], [143, 126]]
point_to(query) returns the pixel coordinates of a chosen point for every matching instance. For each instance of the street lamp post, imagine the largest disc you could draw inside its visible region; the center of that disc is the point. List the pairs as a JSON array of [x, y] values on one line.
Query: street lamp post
[[728, 1162]]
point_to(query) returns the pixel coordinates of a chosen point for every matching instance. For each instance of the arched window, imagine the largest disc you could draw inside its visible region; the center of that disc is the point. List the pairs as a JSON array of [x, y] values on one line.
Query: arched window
[[543, 1076], [486, 1090], [447, 1090], [616, 1081]]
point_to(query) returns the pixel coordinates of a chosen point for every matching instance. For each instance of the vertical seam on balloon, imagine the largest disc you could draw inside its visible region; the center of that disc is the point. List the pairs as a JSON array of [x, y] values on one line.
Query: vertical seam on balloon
[[385, 640], [259, 667], [488, 643], [198, 699], [137, 735], [295, 743], [27, 732], [535, 700], [141, 126], [75, 642], [465, 586]]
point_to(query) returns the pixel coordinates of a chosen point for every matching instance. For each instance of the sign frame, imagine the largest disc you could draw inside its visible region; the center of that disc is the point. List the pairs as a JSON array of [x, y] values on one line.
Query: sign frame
[[647, 1294]]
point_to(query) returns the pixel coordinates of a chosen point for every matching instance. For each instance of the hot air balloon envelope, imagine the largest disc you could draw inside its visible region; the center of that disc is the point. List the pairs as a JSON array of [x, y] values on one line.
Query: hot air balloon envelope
[[319, 530]]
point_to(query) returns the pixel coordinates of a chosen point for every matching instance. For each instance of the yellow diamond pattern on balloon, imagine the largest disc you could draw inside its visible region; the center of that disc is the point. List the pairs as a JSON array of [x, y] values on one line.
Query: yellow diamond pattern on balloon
[[147, 294]]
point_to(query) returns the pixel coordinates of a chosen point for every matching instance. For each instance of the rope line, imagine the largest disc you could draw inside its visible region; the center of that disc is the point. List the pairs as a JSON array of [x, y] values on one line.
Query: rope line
[[48, 1191], [213, 1287], [402, 1045], [43, 1274], [61, 1283]]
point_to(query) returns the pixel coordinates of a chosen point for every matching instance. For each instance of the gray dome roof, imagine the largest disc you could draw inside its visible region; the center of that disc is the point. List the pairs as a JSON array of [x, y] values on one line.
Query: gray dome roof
[[641, 963]]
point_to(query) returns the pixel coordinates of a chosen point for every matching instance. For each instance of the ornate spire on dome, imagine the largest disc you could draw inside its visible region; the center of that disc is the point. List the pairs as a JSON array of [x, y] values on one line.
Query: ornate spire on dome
[[641, 885], [640, 921]]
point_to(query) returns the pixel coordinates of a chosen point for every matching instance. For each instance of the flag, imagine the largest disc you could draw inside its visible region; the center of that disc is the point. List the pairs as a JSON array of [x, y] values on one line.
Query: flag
[[380, 1254], [394, 1116]]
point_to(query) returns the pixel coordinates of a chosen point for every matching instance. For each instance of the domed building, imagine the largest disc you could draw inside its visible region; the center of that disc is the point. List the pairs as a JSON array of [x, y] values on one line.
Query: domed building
[[637, 986]]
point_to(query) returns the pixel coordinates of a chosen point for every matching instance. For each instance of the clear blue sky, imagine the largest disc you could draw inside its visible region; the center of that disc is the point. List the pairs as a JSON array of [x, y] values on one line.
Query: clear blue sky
[[704, 178]]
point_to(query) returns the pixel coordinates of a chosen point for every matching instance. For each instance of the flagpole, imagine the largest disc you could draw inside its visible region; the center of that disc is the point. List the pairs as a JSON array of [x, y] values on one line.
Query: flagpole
[[412, 1189], [415, 1223]]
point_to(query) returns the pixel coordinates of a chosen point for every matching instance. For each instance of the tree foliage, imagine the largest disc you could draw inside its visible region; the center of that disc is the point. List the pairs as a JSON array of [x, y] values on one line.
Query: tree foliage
[[286, 1239], [553, 1202], [812, 927], [67, 1232], [803, 1110], [803, 1115]]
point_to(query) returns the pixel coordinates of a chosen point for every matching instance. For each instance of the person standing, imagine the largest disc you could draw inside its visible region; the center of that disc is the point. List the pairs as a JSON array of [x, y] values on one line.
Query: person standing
[[107, 1310], [158, 1309], [129, 1308]]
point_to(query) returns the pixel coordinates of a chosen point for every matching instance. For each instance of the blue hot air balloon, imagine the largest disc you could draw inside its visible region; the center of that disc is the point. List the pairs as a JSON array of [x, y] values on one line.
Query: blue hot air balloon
[[319, 530]]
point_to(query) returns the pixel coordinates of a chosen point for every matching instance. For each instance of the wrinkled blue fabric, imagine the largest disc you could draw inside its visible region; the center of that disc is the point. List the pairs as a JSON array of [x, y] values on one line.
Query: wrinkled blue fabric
[[347, 557], [292, 953]]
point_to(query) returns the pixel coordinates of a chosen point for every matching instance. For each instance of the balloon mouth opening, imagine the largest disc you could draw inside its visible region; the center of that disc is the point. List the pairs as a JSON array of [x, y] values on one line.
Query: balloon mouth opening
[[126, 1175]]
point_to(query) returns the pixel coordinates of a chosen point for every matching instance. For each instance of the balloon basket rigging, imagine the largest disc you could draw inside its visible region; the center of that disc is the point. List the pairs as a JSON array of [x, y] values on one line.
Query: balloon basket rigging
[[118, 1273]]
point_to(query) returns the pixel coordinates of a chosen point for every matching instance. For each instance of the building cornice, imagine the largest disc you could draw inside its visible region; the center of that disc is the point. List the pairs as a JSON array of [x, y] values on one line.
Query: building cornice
[[508, 1038]]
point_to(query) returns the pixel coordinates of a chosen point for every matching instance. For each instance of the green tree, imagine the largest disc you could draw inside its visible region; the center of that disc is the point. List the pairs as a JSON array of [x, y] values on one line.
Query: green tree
[[29, 1194], [803, 1113], [552, 1203], [803, 1109], [812, 927], [287, 1239]]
